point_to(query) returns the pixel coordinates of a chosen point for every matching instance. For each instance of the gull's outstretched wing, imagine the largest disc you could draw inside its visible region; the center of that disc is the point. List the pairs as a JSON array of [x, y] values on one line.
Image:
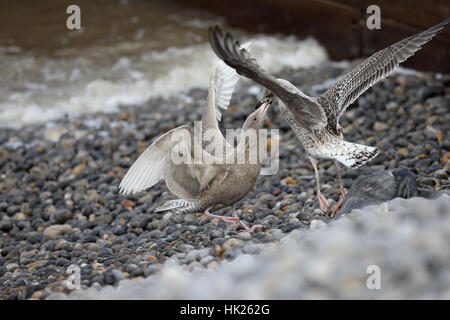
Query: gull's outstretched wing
[[376, 67], [225, 79], [212, 139], [221, 87], [307, 112], [172, 157]]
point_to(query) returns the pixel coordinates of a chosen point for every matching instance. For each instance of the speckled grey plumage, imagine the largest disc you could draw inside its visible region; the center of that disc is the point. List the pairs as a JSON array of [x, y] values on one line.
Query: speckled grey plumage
[[315, 121], [380, 187], [383, 186]]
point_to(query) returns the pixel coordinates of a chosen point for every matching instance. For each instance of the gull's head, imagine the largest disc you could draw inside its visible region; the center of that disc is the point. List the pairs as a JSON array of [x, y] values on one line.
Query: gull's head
[[254, 120]]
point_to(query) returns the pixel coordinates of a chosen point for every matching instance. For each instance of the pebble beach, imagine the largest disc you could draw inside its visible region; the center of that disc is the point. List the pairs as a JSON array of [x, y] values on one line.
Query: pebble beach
[[60, 206]]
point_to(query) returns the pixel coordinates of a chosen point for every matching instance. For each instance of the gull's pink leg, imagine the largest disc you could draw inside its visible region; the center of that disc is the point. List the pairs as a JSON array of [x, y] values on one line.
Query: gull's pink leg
[[223, 218], [343, 192], [322, 200], [252, 229]]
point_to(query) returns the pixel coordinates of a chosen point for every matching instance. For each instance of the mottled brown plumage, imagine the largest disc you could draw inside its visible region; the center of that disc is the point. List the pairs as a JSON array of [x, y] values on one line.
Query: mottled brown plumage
[[203, 181]]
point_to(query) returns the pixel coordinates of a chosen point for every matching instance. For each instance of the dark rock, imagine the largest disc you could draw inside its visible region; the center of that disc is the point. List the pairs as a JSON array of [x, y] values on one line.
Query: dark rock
[[61, 216], [304, 216], [62, 262], [35, 237], [426, 182], [6, 225], [432, 91]]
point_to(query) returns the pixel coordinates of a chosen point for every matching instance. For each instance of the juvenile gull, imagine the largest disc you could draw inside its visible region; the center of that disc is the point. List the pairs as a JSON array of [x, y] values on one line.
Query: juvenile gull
[[203, 182], [315, 120]]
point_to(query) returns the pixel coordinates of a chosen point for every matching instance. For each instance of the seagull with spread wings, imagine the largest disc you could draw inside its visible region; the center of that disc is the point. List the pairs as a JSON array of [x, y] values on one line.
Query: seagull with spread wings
[[315, 120], [203, 181]]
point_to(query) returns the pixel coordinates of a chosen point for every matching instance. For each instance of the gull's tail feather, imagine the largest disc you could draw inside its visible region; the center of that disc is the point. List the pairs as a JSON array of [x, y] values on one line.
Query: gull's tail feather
[[355, 155], [178, 205]]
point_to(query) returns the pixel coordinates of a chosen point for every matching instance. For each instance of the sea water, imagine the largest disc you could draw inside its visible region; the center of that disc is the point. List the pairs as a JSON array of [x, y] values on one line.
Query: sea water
[[125, 53]]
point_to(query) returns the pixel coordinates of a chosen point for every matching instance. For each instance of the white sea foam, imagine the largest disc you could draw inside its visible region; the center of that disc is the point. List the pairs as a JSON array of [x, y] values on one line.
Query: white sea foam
[[39, 89], [406, 71]]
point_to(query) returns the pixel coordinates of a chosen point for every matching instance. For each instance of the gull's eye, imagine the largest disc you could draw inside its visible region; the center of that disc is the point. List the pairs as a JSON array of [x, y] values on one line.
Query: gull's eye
[[254, 119]]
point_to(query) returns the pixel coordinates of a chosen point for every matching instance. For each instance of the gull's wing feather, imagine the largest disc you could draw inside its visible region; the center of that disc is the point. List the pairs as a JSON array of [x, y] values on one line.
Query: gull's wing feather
[[225, 79], [212, 137], [376, 67], [171, 158], [148, 169], [306, 110]]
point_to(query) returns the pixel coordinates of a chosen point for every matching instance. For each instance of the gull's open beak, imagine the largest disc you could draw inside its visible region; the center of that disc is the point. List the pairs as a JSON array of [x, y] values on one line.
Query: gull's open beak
[[263, 105]]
